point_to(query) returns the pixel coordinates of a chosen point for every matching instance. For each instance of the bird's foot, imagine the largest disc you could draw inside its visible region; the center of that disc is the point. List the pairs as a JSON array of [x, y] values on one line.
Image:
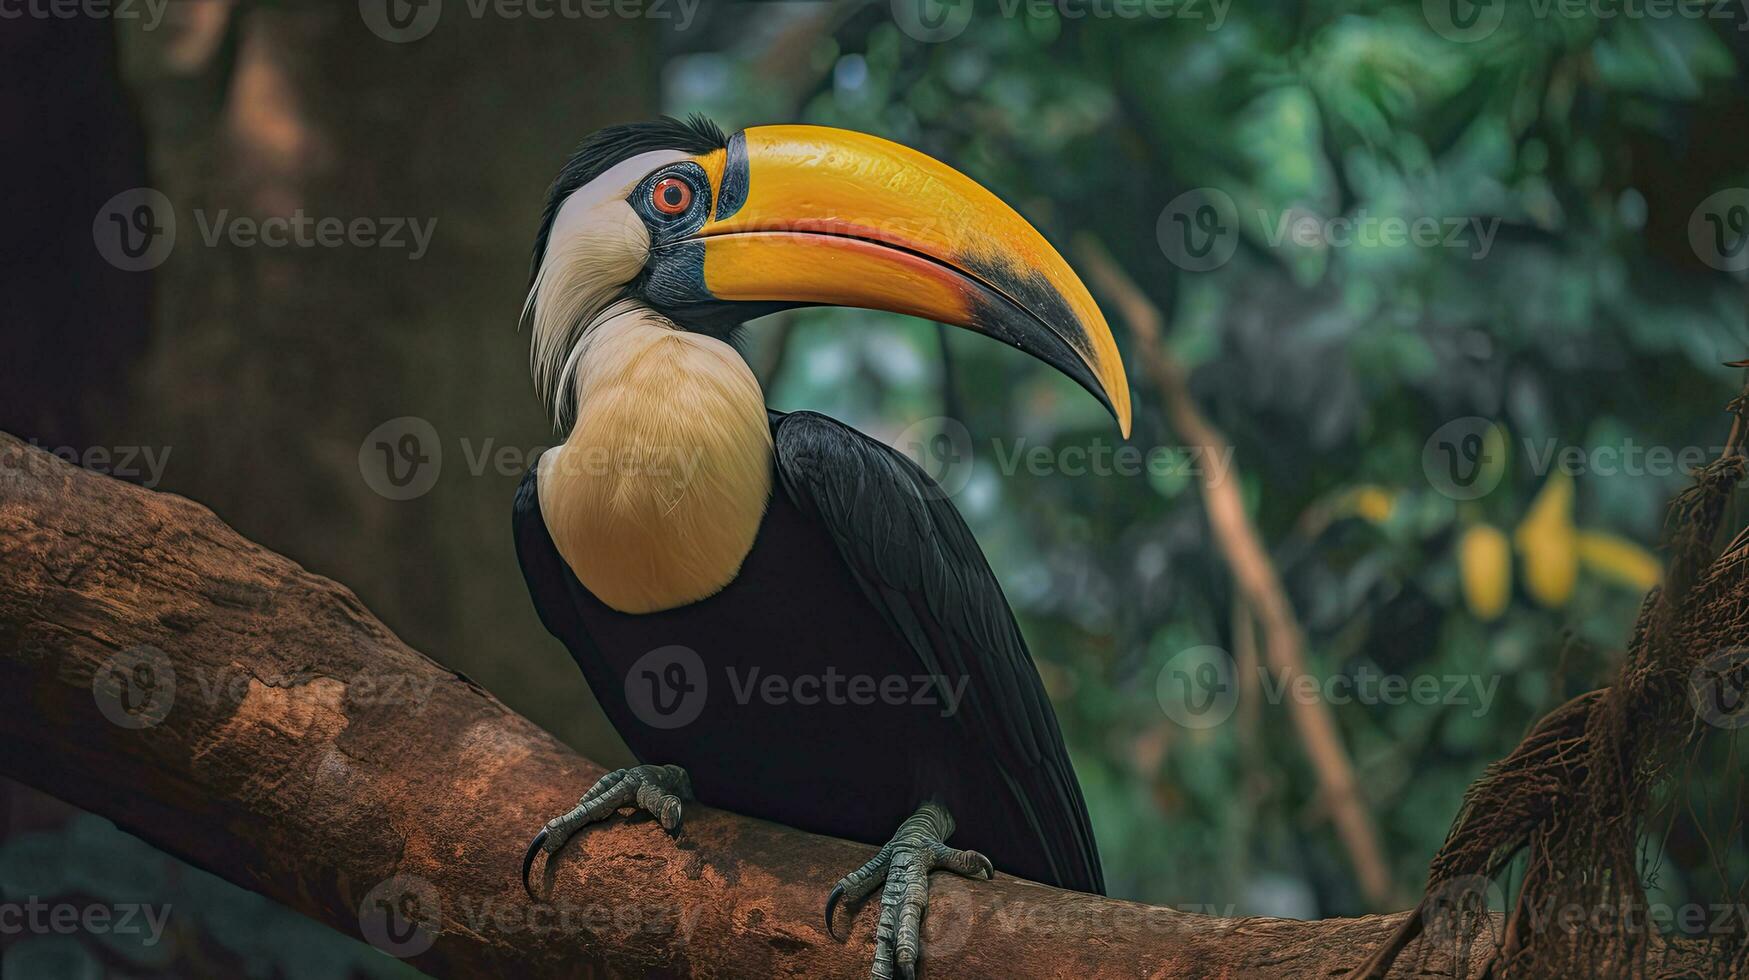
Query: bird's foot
[[657, 790], [904, 865]]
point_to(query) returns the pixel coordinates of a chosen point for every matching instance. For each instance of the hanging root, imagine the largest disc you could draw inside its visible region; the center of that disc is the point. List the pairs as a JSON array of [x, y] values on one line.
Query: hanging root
[[1571, 800]]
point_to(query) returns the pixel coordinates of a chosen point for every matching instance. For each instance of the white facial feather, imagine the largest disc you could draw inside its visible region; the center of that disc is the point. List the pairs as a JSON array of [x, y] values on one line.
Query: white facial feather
[[596, 246], [657, 493]]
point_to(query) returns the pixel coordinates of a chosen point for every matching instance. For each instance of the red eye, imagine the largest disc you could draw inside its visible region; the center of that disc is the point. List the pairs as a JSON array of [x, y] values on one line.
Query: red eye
[[671, 195]]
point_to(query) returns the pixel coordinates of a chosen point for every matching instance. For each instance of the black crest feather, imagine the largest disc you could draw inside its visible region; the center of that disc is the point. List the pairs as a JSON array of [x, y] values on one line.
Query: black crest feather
[[605, 147]]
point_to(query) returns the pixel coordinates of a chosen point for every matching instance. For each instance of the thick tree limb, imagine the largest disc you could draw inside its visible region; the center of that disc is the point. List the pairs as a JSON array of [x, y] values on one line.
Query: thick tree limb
[[309, 755]]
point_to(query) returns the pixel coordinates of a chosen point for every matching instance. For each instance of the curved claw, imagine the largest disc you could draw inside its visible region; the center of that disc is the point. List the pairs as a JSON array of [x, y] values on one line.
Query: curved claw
[[528, 862], [831, 903]]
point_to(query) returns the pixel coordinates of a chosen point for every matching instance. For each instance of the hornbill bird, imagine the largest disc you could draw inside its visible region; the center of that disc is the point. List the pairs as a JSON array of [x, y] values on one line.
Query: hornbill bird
[[777, 612]]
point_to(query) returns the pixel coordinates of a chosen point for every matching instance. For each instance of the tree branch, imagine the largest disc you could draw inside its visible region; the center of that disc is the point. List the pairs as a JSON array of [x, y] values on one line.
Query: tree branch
[[1253, 574], [231, 708]]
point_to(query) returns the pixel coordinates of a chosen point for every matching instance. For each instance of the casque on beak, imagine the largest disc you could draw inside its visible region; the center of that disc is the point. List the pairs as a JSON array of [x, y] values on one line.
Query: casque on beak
[[814, 215]]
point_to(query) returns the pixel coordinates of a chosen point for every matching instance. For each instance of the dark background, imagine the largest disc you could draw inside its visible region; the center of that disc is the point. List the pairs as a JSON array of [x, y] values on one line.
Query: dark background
[[1598, 153]]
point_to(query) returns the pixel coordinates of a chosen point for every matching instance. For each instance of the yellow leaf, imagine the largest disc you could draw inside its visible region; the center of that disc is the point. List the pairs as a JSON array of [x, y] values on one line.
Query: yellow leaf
[[1548, 544], [1485, 567], [1619, 559], [1372, 502]]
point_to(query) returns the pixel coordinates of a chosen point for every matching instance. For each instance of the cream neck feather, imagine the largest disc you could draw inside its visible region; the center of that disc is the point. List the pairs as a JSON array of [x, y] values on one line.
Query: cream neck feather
[[655, 497]]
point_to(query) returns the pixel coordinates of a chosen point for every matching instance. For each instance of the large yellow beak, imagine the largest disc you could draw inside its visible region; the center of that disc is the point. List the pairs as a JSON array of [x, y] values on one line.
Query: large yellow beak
[[813, 215]]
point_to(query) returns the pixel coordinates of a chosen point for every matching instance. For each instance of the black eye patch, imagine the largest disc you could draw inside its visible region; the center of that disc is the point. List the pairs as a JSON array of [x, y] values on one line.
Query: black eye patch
[[681, 186]]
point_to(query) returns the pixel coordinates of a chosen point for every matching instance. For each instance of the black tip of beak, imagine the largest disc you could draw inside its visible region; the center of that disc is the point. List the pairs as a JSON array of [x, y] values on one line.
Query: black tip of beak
[[997, 316], [528, 862]]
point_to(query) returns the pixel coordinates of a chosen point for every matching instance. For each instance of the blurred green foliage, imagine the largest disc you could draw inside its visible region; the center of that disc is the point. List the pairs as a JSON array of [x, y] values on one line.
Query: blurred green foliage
[[1586, 320]]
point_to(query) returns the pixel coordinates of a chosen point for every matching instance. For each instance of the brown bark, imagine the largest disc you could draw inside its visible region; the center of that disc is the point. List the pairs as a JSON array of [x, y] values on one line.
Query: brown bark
[[290, 743]]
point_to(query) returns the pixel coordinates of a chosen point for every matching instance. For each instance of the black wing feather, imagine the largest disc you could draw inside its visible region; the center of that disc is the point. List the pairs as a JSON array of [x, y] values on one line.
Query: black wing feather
[[914, 557]]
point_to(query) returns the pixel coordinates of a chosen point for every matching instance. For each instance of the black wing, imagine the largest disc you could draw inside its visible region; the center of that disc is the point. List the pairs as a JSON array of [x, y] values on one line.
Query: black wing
[[916, 560]]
